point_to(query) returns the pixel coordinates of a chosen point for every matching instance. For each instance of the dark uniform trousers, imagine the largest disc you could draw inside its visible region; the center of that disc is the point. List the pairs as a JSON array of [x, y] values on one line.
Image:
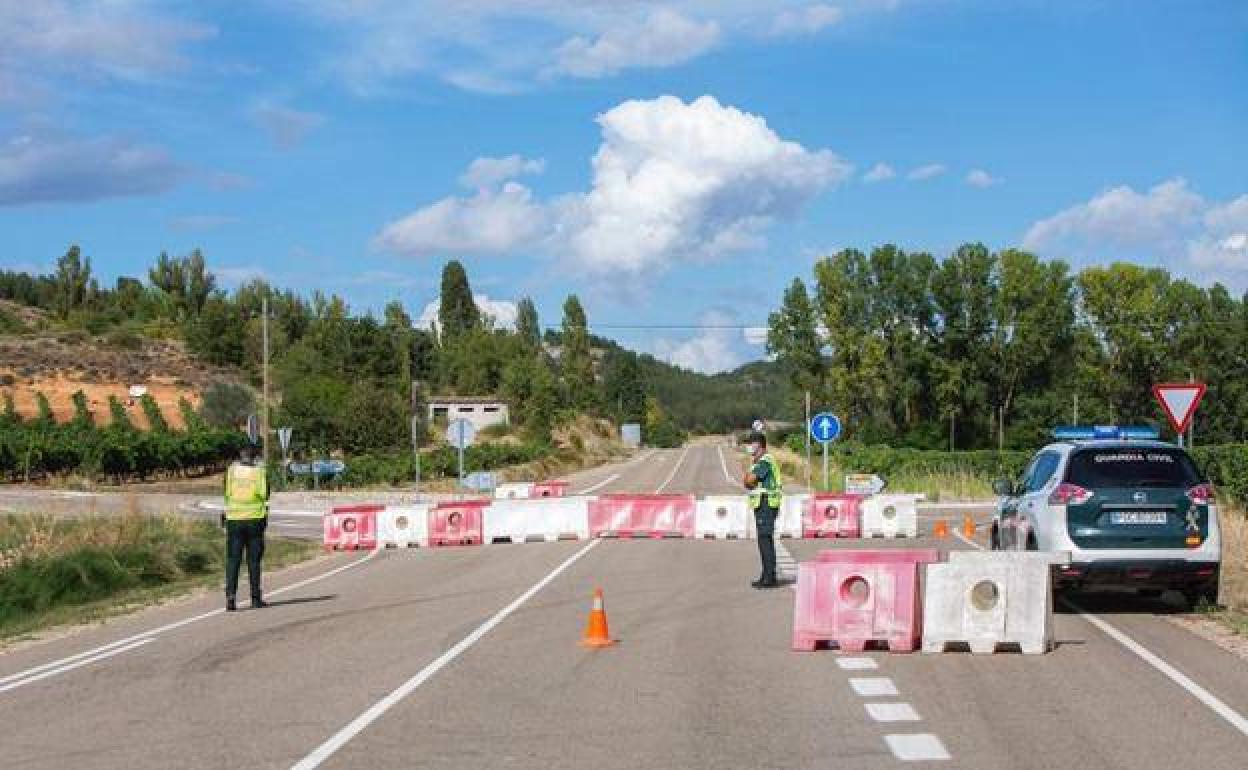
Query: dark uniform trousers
[[243, 534], [765, 519]]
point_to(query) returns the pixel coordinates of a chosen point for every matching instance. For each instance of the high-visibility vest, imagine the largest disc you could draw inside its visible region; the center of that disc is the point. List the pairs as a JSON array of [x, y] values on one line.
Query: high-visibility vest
[[774, 490], [246, 492]]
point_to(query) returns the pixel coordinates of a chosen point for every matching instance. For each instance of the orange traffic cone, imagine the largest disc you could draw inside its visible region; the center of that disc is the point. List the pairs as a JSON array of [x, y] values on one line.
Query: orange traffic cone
[[968, 526], [941, 530], [596, 634]]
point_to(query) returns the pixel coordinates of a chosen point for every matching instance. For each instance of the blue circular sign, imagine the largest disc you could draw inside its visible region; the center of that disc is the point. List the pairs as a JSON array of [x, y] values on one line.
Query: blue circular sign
[[825, 427]]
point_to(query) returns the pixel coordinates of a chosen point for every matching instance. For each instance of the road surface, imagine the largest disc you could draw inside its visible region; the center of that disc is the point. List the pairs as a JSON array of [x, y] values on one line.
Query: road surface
[[468, 658]]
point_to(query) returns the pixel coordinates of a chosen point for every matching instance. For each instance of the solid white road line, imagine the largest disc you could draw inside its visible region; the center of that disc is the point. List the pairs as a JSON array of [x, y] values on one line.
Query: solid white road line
[[719, 449], [675, 468], [857, 664], [958, 534], [892, 712], [918, 747], [599, 485], [874, 686], [339, 739], [83, 662]]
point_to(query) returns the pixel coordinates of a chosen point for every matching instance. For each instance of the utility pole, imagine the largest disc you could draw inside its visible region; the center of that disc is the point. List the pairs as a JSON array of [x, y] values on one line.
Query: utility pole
[[264, 407]]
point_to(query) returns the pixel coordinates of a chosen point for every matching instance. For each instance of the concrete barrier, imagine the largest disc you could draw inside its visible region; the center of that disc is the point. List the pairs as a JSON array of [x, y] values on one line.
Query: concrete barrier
[[403, 526], [537, 519], [351, 527], [456, 523], [891, 516], [513, 490], [789, 522], [832, 515], [550, 489], [642, 516], [722, 517]]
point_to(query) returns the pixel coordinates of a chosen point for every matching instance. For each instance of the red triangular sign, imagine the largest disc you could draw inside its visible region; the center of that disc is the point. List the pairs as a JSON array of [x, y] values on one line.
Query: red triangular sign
[[1179, 400]]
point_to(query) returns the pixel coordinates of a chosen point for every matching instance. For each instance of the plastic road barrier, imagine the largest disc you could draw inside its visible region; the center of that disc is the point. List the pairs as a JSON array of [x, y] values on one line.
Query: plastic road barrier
[[722, 516], [550, 489], [851, 598], [513, 490], [456, 523], [891, 516], [788, 523], [986, 600], [403, 526], [537, 519], [832, 515], [642, 516], [351, 527]]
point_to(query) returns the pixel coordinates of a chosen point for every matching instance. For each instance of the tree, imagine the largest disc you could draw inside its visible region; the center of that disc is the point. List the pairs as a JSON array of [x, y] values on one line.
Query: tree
[[527, 326], [575, 360], [72, 281], [622, 387], [186, 280], [227, 405], [457, 311], [793, 338]]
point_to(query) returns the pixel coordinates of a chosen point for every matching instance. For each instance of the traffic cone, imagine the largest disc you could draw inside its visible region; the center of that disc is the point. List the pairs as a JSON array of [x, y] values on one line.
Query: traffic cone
[[596, 634], [941, 530], [968, 526]]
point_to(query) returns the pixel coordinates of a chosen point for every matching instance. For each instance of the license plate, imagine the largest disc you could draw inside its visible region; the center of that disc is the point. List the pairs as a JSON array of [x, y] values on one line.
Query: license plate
[[1138, 517]]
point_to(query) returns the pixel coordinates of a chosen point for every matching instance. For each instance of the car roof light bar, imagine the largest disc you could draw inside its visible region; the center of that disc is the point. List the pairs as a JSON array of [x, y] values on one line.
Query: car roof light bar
[[1106, 432]]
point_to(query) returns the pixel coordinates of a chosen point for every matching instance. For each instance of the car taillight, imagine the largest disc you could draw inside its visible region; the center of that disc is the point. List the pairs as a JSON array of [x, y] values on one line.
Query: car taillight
[[1069, 494], [1201, 494]]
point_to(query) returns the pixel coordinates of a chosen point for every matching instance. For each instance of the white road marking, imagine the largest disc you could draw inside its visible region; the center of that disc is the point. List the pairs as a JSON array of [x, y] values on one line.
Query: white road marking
[[107, 650], [917, 747], [857, 664], [892, 712], [719, 449], [50, 672], [599, 485], [679, 461], [874, 686], [958, 534], [357, 725], [786, 567]]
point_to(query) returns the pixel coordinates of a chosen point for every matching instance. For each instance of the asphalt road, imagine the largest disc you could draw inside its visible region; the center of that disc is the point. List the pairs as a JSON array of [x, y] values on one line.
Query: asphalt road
[[468, 658]]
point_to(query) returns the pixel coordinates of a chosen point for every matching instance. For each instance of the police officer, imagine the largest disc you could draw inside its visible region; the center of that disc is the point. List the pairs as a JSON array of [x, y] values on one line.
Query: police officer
[[765, 490], [245, 519]]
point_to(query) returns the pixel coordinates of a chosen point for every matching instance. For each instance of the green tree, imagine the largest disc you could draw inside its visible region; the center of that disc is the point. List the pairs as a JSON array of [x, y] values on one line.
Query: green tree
[[527, 326], [73, 282], [457, 311], [186, 280], [623, 391], [793, 338], [575, 359], [227, 405]]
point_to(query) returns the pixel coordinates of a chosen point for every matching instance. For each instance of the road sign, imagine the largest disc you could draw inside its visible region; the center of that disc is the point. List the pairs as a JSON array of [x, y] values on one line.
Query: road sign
[[863, 484], [253, 429], [480, 481], [1179, 401], [318, 468], [283, 438], [825, 427], [460, 433], [759, 426]]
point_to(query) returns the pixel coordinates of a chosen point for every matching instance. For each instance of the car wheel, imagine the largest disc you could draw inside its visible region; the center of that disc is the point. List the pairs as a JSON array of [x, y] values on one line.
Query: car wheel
[[1032, 545], [995, 539]]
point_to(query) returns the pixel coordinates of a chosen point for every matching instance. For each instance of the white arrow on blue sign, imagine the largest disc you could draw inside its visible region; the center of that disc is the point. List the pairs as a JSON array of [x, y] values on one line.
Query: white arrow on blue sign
[[825, 427]]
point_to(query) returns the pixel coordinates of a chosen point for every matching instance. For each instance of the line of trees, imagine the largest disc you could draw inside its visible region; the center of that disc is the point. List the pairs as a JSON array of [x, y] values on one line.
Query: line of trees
[[991, 349]]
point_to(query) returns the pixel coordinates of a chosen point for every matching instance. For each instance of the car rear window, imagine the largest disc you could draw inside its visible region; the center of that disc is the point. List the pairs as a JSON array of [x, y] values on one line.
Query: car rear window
[[1127, 467]]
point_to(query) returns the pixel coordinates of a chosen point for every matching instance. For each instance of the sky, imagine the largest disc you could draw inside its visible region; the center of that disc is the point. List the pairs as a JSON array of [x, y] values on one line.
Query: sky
[[674, 164]]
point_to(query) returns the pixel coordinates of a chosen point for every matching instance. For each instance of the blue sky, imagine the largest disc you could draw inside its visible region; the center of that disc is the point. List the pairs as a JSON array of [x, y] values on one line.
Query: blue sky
[[674, 164]]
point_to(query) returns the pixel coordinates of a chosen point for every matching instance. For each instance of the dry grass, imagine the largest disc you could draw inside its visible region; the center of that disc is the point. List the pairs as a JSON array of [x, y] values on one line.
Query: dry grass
[[1233, 592], [935, 486]]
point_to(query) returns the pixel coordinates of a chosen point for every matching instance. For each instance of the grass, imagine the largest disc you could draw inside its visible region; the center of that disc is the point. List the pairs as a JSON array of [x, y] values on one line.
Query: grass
[[58, 570], [1232, 609], [935, 486]]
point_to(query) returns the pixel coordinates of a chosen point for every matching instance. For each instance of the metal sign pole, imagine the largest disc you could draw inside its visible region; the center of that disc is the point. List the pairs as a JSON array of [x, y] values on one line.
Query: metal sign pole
[[825, 466], [809, 469], [460, 443]]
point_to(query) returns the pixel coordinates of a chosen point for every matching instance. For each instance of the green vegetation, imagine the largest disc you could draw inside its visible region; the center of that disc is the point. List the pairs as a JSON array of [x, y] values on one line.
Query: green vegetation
[[70, 570]]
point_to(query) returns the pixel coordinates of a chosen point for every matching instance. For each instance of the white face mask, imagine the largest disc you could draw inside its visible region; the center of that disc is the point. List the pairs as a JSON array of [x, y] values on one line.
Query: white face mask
[[753, 449]]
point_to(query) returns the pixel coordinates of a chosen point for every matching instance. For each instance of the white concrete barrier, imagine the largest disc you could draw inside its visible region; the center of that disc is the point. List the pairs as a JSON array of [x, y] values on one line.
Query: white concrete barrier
[[513, 490], [722, 517], [403, 526], [988, 599], [544, 519], [891, 516], [788, 523]]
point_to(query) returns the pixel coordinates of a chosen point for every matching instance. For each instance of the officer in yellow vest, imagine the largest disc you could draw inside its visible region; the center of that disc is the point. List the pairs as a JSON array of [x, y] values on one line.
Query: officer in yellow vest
[[766, 493], [246, 516]]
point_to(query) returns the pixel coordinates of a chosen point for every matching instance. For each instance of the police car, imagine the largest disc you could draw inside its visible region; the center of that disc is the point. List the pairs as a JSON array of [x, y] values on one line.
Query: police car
[[1132, 511]]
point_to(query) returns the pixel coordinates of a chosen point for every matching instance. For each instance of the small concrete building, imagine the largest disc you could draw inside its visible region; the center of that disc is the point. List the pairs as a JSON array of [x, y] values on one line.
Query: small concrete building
[[481, 411]]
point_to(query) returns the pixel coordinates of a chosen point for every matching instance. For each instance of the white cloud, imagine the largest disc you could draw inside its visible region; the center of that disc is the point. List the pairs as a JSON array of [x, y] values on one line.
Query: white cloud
[[672, 181], [43, 169], [286, 127], [929, 171], [977, 177], [754, 335], [662, 39], [879, 172], [806, 21], [500, 311], [709, 351], [491, 172], [1122, 217], [490, 222]]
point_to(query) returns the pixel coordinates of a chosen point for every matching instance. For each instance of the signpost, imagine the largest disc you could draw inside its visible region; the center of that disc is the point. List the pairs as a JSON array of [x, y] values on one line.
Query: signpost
[[863, 484], [416, 447], [460, 434], [825, 427], [480, 481], [283, 438], [1179, 401], [253, 429]]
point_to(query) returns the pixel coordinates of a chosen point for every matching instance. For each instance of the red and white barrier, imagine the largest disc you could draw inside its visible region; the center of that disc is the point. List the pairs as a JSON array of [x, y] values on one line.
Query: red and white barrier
[[723, 517], [832, 515], [550, 489], [891, 516], [537, 519], [403, 526], [851, 598], [788, 521], [351, 527], [642, 516], [456, 523], [513, 490]]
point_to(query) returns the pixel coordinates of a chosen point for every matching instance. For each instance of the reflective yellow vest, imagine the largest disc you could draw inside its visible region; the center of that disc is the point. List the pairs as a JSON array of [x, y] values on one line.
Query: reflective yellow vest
[[246, 492], [774, 489]]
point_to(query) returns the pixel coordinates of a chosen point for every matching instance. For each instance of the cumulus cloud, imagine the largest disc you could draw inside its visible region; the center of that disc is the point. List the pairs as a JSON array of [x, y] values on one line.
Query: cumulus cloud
[[710, 351], [491, 172], [806, 21], [879, 172], [672, 181], [755, 335], [929, 171], [41, 169], [285, 126], [977, 177], [663, 38], [500, 311]]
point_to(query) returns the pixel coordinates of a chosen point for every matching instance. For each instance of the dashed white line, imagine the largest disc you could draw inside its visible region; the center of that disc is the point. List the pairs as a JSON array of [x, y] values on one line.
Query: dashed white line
[[917, 747], [599, 485], [857, 664], [675, 468], [874, 687], [892, 712]]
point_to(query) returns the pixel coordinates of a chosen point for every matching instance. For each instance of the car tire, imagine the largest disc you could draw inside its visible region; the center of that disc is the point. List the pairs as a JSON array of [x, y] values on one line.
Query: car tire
[[994, 539], [1032, 545]]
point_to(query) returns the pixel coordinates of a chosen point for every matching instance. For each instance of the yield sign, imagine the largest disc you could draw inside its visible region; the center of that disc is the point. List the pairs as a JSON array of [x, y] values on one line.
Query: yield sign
[[1180, 400]]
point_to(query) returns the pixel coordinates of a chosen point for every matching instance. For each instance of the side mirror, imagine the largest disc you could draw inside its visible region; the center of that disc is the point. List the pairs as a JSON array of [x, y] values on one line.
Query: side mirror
[[1003, 488]]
